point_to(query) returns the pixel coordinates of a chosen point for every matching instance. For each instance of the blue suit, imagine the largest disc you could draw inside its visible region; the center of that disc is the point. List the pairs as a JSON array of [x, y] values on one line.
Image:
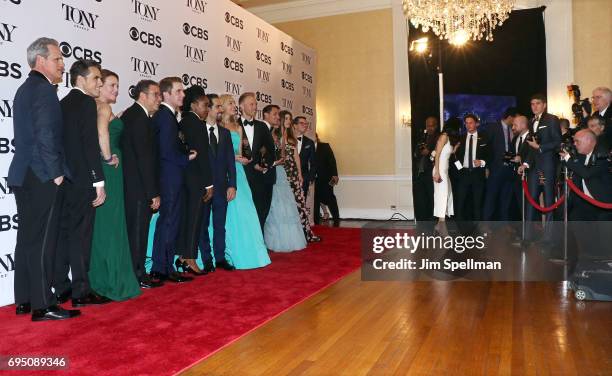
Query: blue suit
[[173, 160], [39, 158], [224, 176], [500, 182]]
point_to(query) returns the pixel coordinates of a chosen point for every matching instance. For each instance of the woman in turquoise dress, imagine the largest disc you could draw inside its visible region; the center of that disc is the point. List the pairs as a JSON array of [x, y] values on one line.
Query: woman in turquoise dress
[[110, 270], [283, 229], [245, 247]]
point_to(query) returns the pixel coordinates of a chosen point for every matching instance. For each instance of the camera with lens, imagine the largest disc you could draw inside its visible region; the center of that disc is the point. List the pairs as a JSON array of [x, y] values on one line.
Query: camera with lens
[[508, 158], [567, 145], [579, 104]]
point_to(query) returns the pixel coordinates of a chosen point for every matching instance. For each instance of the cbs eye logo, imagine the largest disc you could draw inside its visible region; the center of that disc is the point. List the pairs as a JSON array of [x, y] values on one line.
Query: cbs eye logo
[[195, 31], [145, 38], [132, 92], [234, 21], [233, 65]]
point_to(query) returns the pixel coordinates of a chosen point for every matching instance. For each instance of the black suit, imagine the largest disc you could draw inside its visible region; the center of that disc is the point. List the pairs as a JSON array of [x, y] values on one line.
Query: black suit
[[521, 149], [38, 159], [140, 179], [308, 163], [499, 184], [608, 130], [85, 165], [324, 191], [543, 163], [198, 176], [598, 180], [471, 181], [261, 184]]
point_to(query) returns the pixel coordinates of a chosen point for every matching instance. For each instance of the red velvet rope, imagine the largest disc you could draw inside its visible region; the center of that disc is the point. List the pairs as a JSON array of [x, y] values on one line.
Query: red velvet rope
[[591, 200], [536, 205]]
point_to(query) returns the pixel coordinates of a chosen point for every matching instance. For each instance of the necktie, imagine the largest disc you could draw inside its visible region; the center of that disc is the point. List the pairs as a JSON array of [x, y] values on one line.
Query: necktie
[[213, 139], [471, 153], [520, 143], [300, 138]]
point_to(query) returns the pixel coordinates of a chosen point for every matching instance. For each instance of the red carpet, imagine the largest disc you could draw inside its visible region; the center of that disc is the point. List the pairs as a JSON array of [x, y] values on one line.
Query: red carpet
[[172, 327]]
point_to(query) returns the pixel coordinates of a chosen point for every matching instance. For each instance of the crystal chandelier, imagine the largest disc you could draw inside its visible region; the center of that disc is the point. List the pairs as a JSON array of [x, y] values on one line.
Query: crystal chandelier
[[458, 20]]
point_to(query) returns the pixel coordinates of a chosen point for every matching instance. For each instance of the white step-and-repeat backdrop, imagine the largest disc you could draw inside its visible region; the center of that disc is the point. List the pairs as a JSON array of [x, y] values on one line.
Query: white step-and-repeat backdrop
[[212, 43]]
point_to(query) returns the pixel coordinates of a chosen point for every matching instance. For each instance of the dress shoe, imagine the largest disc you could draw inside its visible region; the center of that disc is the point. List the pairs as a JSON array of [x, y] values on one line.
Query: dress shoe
[[24, 308], [314, 239], [223, 264], [54, 312], [63, 297], [209, 267], [90, 299], [148, 283], [158, 276], [188, 267], [177, 278]]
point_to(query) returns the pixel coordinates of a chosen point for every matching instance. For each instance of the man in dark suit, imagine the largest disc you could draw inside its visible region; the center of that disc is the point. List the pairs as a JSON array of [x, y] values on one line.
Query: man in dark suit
[[140, 175], [472, 156], [306, 148], [501, 174], [602, 98], [84, 189], [224, 181], [327, 178], [520, 147], [597, 125], [199, 186], [543, 150], [260, 172], [36, 175], [173, 160]]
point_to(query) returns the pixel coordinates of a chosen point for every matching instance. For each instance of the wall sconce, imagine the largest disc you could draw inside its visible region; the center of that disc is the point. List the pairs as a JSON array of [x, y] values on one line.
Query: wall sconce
[[406, 121]]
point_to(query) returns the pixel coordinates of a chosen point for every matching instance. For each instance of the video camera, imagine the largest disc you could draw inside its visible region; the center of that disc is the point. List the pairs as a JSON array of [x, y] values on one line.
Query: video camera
[[579, 104]]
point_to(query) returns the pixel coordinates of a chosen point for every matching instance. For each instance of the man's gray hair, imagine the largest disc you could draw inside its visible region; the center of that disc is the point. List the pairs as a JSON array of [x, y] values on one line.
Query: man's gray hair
[[40, 47], [605, 90]]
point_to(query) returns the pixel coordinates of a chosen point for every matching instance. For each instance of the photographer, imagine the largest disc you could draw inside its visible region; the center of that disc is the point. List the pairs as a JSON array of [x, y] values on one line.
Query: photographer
[[597, 125], [591, 172], [423, 187]]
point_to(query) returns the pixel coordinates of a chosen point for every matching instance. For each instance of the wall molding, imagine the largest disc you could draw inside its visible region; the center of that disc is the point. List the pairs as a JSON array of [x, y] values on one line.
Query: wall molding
[[374, 178], [306, 9]]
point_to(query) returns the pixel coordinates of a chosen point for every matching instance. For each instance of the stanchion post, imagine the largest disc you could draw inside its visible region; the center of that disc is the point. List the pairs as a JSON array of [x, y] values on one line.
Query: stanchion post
[[566, 193], [523, 211]]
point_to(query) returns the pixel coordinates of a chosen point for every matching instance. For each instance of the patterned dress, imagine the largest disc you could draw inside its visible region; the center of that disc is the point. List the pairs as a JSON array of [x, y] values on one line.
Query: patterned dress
[[293, 176]]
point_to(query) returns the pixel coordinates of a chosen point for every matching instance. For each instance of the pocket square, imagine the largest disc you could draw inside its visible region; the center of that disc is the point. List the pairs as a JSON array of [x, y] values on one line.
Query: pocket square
[[307, 146], [542, 127]]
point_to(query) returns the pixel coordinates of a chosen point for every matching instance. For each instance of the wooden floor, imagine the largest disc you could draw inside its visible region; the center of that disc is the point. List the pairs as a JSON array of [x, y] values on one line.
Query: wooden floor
[[427, 328]]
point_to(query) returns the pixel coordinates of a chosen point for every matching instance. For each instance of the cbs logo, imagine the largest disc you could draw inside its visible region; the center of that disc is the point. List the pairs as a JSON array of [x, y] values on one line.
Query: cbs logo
[[235, 21], [195, 31], [234, 65], [146, 38], [79, 52], [193, 80]]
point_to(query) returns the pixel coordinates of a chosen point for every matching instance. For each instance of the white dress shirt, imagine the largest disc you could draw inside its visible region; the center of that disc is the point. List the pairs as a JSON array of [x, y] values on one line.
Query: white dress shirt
[[566, 157], [249, 131], [215, 131], [520, 140], [299, 138], [536, 123], [466, 156], [603, 112]]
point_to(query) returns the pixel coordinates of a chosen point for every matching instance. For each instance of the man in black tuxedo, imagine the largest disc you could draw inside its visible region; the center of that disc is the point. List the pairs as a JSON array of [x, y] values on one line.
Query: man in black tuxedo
[[597, 125], [327, 178], [223, 166], [542, 173], [472, 157], [36, 175], [173, 159], [140, 174], [306, 148], [520, 147], [260, 172], [271, 116], [84, 187], [602, 98], [499, 183]]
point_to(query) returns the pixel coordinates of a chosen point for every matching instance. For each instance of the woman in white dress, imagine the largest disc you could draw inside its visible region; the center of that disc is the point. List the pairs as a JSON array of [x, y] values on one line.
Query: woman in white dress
[[443, 191]]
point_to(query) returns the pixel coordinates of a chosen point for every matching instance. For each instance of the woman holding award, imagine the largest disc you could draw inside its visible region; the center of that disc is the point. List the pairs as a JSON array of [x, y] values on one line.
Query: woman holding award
[[294, 174], [245, 245]]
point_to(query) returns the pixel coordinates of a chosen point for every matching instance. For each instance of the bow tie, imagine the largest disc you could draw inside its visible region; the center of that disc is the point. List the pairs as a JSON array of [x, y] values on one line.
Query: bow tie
[[251, 123], [299, 138]]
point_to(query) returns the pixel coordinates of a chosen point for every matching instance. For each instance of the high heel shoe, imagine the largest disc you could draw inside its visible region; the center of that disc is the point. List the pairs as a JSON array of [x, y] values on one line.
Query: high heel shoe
[[186, 268]]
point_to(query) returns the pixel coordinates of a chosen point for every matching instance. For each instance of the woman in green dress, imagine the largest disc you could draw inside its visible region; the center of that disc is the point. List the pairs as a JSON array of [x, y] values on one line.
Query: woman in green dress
[[110, 270]]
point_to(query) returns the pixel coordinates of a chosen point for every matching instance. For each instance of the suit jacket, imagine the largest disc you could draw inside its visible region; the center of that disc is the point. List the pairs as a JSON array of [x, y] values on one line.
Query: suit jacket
[[549, 136], [596, 174], [81, 143], [326, 163], [608, 130], [482, 150], [498, 146], [223, 163], [261, 138], [199, 171], [140, 164], [523, 151], [173, 158], [37, 128], [308, 160]]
